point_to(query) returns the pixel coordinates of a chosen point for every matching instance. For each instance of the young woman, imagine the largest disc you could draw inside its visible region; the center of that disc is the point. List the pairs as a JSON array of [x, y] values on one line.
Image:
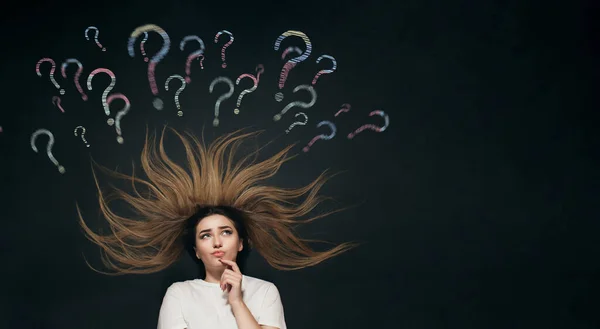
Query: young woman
[[217, 209]]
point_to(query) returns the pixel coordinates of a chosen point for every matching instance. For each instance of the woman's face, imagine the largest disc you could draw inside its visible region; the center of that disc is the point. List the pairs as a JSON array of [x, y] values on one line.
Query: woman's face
[[216, 233]]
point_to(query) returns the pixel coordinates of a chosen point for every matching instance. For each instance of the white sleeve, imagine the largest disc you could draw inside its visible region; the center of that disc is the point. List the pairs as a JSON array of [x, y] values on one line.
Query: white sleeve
[[271, 312], [171, 315]]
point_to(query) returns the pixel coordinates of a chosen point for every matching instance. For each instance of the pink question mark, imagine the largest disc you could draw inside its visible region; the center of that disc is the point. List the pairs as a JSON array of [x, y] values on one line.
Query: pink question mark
[[325, 71], [77, 74], [56, 102], [156, 58], [193, 55], [289, 50], [345, 108], [371, 126], [37, 70], [224, 65], [259, 70], [322, 136]]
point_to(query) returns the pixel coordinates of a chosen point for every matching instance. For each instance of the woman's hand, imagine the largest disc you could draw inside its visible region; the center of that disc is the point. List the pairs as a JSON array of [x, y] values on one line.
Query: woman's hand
[[231, 280]]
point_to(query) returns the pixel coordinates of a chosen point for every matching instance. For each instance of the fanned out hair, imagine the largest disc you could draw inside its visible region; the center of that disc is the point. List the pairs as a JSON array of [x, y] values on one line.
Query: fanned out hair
[[172, 196]]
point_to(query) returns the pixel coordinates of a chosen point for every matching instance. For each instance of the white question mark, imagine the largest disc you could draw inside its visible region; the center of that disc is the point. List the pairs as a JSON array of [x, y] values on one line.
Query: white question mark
[[176, 76], [113, 81], [222, 98], [35, 135], [142, 46], [322, 136], [313, 94], [256, 79], [82, 135], [325, 71], [120, 114], [245, 91], [298, 123], [95, 37], [371, 126]]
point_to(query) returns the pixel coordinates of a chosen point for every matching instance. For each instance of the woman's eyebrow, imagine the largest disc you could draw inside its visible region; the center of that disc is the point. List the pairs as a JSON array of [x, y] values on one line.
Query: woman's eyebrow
[[208, 229]]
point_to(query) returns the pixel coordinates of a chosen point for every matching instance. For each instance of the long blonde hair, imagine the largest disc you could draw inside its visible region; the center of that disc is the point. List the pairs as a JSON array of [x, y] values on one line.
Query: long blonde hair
[[153, 240]]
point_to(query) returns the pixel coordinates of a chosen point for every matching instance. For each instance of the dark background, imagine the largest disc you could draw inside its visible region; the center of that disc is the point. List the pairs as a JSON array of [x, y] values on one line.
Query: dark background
[[478, 206]]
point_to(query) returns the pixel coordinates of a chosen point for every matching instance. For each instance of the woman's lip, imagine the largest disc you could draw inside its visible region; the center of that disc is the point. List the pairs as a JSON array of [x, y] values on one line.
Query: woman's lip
[[218, 254]]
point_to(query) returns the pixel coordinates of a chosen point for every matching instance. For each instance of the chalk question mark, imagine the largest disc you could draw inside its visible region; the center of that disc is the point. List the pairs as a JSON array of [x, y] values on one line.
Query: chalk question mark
[[325, 71], [35, 135], [260, 69], [77, 74], [224, 65], [56, 102], [95, 37], [120, 114], [298, 123], [113, 81], [37, 70], [313, 95], [222, 98], [157, 58], [82, 133], [192, 56], [142, 46], [289, 50], [371, 126], [322, 136], [292, 62], [345, 108], [176, 76]]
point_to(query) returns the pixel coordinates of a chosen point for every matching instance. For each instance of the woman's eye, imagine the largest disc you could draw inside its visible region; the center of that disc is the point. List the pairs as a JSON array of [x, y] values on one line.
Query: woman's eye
[[229, 232]]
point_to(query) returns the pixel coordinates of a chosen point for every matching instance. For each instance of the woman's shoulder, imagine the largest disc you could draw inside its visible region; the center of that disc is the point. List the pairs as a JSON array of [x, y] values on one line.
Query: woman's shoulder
[[251, 282], [180, 286], [257, 281]]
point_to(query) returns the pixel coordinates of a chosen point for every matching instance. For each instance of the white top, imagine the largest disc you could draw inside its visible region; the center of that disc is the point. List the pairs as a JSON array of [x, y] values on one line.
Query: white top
[[197, 304]]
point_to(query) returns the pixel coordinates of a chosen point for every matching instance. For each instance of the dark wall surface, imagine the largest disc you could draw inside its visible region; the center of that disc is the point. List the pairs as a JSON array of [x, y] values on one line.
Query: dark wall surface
[[477, 205]]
